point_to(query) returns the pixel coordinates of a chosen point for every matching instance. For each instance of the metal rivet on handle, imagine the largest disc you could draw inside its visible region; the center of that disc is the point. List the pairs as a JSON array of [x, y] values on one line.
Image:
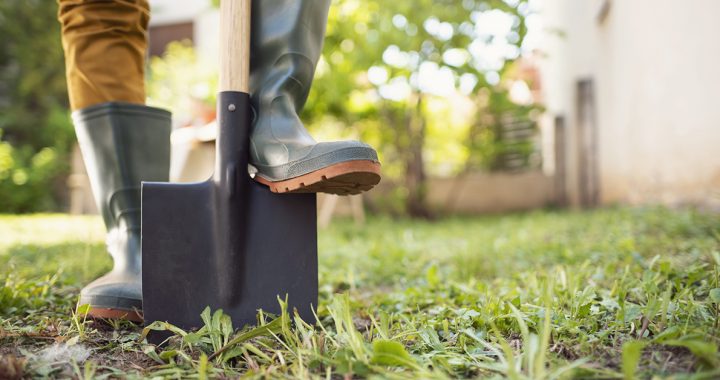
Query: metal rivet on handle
[[231, 107]]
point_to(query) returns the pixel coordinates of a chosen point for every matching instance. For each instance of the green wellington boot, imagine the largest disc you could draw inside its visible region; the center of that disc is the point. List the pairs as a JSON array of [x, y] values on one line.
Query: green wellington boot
[[287, 38], [122, 144]]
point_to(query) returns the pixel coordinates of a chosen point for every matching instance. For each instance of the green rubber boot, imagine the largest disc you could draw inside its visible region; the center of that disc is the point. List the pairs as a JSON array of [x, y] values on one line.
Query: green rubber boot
[[122, 144], [287, 37]]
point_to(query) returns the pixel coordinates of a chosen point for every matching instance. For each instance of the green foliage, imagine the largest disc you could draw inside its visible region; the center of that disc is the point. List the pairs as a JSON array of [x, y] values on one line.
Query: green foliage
[[489, 143], [389, 353], [631, 352], [34, 122], [25, 178], [542, 295], [401, 73], [17, 295], [180, 77]]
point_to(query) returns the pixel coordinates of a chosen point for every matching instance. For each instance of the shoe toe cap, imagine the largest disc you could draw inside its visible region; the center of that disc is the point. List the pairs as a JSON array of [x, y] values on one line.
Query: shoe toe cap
[[345, 150], [113, 292]]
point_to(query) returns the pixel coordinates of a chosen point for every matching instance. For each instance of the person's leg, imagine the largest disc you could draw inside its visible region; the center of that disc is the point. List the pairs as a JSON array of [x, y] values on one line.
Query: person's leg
[[105, 44], [123, 142], [287, 37]]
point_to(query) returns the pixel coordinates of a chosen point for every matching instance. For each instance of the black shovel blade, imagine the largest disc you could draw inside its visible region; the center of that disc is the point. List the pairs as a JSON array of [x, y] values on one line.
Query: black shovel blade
[[182, 260], [228, 243]]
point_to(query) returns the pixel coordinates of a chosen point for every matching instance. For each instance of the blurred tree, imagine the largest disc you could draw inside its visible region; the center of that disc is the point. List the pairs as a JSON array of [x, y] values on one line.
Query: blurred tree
[[179, 79], [385, 61], [33, 107]]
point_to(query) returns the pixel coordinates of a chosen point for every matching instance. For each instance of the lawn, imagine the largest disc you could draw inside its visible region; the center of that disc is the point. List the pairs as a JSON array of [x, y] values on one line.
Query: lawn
[[609, 293]]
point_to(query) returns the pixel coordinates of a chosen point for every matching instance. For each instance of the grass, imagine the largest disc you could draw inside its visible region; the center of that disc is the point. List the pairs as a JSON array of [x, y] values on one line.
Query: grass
[[609, 293]]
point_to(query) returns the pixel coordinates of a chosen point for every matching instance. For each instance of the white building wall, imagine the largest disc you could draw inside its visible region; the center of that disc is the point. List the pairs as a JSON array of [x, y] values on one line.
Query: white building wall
[[164, 12], [656, 69]]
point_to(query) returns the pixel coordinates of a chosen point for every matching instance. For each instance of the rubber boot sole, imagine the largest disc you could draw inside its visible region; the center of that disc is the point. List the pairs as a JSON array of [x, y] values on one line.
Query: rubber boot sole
[[343, 178], [104, 313]]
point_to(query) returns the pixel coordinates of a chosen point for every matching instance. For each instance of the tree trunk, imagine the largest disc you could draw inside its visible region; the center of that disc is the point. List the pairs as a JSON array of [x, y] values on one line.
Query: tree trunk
[[415, 178]]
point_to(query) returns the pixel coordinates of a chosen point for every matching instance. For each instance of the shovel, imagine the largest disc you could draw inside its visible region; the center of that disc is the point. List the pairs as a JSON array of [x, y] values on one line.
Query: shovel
[[229, 242]]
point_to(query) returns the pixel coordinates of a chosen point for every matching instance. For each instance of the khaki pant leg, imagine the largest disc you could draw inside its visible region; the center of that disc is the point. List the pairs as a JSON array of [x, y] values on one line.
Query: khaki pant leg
[[105, 43]]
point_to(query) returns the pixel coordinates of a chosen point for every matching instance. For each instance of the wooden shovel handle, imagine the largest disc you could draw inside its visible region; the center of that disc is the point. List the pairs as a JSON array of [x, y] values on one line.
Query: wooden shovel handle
[[235, 45]]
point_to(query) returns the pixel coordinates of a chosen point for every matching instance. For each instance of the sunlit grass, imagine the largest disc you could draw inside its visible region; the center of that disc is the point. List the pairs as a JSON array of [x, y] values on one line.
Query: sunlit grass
[[606, 294], [48, 229]]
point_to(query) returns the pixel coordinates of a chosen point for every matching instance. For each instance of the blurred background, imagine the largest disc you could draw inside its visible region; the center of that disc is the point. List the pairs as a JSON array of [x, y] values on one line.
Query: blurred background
[[475, 106]]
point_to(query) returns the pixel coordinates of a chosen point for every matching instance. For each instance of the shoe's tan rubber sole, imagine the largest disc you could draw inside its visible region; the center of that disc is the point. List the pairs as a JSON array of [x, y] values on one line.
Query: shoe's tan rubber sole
[[344, 178], [103, 313]]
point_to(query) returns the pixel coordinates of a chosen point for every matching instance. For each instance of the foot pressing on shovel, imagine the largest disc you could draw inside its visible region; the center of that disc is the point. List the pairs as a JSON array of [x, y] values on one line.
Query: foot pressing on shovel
[[287, 38]]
